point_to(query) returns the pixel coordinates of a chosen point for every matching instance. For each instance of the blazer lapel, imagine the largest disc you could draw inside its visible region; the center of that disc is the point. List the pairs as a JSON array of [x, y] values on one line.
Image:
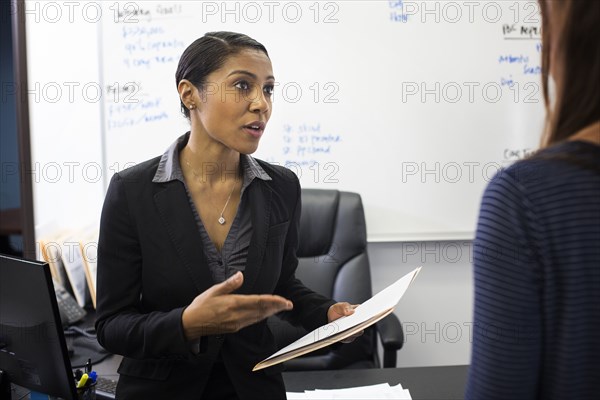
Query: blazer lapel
[[176, 214], [259, 196]]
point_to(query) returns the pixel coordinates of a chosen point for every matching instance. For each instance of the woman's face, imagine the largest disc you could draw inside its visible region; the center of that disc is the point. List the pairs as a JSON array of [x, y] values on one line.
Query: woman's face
[[235, 105]]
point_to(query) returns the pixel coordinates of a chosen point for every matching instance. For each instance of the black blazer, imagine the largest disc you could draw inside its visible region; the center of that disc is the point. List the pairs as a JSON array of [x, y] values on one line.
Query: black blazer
[[151, 265]]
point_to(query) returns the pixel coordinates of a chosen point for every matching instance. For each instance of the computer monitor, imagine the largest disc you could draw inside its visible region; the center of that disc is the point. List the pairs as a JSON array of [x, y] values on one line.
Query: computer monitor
[[33, 352]]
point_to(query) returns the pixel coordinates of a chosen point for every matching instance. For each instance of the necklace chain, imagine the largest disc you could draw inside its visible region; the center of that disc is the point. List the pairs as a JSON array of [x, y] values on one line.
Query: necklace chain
[[221, 219]]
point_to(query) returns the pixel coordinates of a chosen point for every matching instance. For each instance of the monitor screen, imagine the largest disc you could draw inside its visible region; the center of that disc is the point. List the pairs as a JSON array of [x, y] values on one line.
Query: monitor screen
[[33, 351]]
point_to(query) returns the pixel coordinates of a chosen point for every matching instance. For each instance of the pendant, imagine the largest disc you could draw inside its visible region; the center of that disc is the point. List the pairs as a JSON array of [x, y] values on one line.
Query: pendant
[[222, 220]]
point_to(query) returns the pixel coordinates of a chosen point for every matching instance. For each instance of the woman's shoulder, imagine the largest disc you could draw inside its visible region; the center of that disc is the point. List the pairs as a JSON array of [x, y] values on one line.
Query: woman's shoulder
[[142, 172], [558, 164], [278, 173], [542, 180]]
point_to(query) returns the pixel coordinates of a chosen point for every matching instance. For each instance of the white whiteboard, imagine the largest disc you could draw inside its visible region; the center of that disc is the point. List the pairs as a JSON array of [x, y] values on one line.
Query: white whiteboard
[[414, 105]]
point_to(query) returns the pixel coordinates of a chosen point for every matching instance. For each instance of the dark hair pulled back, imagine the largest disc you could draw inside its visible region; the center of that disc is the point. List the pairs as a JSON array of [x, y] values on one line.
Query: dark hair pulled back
[[209, 53]]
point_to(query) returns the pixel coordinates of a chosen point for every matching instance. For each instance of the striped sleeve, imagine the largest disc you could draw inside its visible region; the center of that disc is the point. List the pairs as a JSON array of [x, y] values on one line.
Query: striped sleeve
[[507, 334]]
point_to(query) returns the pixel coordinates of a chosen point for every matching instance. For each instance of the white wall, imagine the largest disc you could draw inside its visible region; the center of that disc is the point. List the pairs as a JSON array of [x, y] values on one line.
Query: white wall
[[436, 311], [64, 106]]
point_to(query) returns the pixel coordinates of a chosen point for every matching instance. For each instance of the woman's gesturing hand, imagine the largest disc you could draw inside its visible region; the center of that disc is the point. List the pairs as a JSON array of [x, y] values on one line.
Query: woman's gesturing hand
[[217, 311]]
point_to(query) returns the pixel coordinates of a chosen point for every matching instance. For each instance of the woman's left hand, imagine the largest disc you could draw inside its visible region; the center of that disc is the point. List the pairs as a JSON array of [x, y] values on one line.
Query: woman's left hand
[[339, 310]]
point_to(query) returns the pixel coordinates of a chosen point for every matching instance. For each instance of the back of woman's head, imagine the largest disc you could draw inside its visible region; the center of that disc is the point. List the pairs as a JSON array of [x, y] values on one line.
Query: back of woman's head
[[571, 53], [208, 53]]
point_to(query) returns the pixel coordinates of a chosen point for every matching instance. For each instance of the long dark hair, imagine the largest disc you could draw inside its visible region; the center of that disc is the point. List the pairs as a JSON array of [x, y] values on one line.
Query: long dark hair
[[207, 54], [571, 50]]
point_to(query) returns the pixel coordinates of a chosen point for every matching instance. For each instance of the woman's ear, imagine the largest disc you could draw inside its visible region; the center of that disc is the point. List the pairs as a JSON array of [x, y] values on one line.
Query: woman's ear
[[187, 93]]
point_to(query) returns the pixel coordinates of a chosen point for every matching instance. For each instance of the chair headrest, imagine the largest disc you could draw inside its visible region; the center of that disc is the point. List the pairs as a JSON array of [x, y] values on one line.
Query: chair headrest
[[317, 221]]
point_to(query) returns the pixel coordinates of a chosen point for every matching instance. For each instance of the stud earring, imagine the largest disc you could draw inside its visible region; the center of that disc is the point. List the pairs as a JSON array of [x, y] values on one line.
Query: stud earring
[[191, 106]]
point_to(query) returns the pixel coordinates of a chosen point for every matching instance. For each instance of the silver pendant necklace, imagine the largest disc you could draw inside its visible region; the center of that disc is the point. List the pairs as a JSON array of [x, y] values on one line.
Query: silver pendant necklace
[[221, 219]]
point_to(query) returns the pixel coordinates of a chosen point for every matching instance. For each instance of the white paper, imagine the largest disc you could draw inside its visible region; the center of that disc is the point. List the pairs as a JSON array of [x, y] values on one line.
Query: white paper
[[382, 301], [73, 263], [53, 253], [89, 250], [295, 396], [372, 392]]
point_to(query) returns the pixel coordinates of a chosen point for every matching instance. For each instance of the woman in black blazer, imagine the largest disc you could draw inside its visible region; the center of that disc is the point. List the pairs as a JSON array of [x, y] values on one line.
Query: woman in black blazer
[[198, 246]]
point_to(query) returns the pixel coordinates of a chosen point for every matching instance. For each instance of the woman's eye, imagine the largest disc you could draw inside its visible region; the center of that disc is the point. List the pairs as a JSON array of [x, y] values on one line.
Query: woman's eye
[[269, 90], [242, 85]]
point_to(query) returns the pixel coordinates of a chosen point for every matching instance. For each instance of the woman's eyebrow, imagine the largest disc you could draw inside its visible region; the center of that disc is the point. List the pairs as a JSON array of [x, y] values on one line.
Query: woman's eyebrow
[[248, 73]]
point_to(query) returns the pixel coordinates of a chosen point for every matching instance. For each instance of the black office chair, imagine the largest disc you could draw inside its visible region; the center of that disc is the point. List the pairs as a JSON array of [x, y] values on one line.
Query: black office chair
[[333, 261]]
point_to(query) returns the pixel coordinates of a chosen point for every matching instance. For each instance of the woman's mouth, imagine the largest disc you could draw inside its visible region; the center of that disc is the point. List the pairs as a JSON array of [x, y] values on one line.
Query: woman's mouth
[[254, 129]]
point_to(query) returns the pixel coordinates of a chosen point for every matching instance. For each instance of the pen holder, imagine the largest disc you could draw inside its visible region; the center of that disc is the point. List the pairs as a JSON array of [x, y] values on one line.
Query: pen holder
[[87, 392]]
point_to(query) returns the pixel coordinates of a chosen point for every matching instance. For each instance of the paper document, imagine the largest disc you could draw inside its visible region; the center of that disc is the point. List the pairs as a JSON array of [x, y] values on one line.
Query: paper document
[[72, 259], [89, 251], [51, 253], [365, 315], [380, 391]]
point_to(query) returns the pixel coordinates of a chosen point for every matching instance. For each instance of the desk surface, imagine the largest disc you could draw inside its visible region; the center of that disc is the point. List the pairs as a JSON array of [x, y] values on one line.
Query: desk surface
[[423, 382]]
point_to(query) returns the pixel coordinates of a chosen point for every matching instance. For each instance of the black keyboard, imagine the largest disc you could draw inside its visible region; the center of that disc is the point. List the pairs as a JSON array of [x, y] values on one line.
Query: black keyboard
[[105, 388]]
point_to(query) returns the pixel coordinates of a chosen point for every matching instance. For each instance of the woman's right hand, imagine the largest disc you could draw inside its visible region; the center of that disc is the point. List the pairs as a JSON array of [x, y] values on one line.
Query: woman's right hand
[[217, 311]]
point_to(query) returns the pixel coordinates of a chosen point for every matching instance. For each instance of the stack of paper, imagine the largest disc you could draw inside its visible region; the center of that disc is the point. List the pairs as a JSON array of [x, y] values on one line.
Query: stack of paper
[[72, 258], [89, 251], [381, 391]]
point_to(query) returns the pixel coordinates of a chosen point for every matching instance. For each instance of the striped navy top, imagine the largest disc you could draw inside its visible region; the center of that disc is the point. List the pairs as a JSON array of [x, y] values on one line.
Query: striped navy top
[[537, 279]]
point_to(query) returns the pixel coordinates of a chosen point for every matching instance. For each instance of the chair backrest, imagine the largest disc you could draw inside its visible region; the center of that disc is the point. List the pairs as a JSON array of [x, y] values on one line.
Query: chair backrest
[[333, 261], [332, 251]]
